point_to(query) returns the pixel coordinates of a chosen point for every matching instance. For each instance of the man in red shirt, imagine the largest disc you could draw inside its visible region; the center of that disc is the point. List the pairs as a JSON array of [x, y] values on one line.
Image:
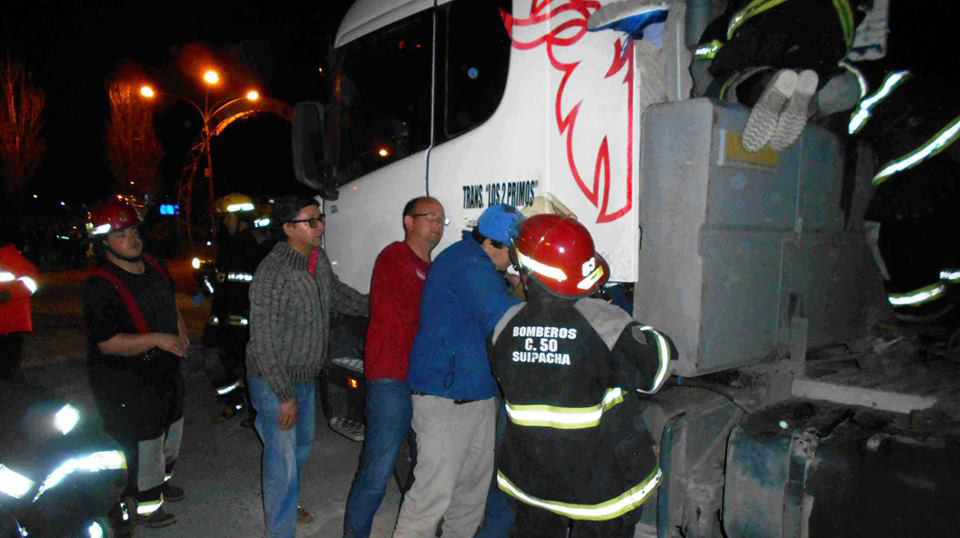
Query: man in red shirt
[[395, 287]]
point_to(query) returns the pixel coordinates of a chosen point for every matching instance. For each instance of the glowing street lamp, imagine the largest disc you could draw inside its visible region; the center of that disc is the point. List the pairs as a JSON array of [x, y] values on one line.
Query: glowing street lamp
[[207, 112], [211, 77]]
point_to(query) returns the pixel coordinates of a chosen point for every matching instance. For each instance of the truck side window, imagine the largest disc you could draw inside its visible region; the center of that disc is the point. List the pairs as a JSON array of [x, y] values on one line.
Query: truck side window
[[476, 59], [382, 96]]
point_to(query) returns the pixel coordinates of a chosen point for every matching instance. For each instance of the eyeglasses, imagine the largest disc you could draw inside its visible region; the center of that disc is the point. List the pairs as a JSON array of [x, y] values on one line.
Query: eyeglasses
[[433, 217], [310, 222]]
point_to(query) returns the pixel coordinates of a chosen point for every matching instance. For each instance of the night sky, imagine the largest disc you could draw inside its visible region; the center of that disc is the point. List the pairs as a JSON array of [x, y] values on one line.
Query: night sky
[[73, 47]]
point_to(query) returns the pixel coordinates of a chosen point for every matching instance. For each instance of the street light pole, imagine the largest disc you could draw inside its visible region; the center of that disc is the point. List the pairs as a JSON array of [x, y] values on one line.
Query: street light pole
[[207, 113]]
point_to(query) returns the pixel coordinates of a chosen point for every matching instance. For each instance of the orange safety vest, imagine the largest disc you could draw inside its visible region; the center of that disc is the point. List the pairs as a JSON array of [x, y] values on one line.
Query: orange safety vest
[[15, 313]]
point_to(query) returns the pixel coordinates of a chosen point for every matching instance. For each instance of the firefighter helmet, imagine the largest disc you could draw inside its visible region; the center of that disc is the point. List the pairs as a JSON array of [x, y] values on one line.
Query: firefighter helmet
[[235, 203], [111, 216], [559, 253]]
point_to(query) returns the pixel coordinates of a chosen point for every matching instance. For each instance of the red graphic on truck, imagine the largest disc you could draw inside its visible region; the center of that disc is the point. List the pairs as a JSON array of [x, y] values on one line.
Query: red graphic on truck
[[569, 25]]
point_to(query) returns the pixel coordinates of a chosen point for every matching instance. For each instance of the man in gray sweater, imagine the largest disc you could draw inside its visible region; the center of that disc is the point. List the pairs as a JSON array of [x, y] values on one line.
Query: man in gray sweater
[[292, 293]]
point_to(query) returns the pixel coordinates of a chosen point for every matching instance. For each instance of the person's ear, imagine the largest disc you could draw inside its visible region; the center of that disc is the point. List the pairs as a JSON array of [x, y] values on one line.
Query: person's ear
[[407, 223]]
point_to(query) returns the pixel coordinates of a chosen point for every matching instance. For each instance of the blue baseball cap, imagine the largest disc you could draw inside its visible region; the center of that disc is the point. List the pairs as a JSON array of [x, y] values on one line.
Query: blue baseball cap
[[500, 223]]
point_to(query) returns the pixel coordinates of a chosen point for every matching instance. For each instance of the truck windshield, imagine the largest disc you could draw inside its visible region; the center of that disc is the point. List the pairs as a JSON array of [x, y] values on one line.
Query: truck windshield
[[382, 96]]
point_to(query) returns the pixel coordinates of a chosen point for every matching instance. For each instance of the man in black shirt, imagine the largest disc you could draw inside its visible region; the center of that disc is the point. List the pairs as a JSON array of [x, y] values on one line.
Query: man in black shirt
[[136, 340]]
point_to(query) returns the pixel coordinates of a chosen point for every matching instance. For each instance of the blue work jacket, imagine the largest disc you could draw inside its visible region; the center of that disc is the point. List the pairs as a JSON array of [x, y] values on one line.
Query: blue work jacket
[[463, 298]]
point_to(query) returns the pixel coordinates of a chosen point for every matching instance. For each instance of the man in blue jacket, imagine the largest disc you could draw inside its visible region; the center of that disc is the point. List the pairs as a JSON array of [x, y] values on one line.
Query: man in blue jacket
[[454, 409]]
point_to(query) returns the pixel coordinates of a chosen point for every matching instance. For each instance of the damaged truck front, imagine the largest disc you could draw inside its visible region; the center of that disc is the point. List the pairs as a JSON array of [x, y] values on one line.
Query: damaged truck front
[[789, 413]]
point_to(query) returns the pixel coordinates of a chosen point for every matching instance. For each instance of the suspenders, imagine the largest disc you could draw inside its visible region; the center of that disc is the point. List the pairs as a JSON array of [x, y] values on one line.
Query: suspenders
[[133, 308]]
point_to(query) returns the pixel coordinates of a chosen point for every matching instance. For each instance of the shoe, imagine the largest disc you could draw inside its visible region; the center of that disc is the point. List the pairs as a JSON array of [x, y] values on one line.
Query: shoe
[[157, 520], [249, 420], [226, 414], [794, 116], [303, 517], [766, 113], [172, 493]]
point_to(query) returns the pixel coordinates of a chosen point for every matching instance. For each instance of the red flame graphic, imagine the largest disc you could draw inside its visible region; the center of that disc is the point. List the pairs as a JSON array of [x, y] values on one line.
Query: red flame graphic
[[567, 34]]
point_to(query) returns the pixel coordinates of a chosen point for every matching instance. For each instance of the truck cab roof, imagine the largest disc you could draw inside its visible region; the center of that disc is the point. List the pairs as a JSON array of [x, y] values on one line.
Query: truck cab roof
[[365, 16]]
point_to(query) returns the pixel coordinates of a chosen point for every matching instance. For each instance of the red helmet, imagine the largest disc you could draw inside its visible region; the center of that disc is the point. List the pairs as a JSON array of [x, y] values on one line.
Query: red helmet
[[558, 251], [112, 216]]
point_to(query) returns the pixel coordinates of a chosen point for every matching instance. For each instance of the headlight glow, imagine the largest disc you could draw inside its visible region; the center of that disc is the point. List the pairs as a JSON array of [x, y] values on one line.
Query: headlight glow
[[66, 418]]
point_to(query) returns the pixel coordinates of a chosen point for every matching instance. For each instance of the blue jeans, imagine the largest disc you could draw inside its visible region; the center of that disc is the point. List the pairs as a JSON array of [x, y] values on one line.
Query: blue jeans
[[284, 453], [388, 413]]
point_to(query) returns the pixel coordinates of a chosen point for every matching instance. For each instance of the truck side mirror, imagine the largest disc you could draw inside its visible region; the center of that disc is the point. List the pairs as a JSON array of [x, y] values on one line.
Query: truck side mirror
[[308, 150]]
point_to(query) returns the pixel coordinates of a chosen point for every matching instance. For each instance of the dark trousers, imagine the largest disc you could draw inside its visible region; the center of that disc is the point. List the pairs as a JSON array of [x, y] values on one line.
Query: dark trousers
[[534, 522], [11, 348]]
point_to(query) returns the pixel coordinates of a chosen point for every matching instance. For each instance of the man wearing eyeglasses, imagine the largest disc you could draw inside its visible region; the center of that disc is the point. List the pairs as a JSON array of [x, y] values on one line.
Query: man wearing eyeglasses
[[291, 296], [454, 410], [395, 287]]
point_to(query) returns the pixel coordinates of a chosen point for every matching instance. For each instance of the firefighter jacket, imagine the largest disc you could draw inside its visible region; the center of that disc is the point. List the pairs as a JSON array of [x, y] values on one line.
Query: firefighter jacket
[[237, 260], [572, 374], [18, 279], [794, 34]]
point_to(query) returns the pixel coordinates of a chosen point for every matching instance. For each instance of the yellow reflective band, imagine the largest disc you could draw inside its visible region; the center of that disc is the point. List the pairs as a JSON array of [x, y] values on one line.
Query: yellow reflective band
[[726, 86], [707, 51], [237, 321], [940, 141], [563, 418], [100, 230], [6, 276], [30, 283], [229, 388], [591, 279], [239, 277], [750, 10], [663, 351], [862, 83], [861, 114], [146, 508], [616, 507], [554, 273], [845, 15], [13, 483], [918, 297], [950, 275], [233, 208], [105, 460]]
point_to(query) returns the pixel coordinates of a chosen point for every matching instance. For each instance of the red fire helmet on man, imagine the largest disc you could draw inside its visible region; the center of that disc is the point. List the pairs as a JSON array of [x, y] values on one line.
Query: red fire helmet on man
[[559, 252]]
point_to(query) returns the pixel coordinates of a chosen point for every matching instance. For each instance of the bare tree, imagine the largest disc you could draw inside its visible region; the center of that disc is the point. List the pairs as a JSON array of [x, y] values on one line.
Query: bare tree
[[21, 111], [133, 150]]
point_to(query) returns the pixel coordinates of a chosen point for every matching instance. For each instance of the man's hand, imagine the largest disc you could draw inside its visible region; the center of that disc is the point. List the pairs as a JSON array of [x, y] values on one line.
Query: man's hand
[[172, 344], [288, 414]]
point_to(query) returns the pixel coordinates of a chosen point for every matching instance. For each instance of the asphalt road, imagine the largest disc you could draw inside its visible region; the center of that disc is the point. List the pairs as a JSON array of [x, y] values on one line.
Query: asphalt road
[[219, 464]]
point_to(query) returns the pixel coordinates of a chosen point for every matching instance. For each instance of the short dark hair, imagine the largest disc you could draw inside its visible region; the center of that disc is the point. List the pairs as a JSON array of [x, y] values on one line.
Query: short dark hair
[[411, 207], [479, 238], [286, 208]]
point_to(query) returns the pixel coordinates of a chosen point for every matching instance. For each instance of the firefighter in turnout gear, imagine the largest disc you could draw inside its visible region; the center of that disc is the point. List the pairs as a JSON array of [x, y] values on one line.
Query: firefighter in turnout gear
[[573, 371], [239, 252]]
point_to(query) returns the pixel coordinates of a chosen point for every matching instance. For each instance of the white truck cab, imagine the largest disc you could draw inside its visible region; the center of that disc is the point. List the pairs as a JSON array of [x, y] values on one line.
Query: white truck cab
[[745, 259]]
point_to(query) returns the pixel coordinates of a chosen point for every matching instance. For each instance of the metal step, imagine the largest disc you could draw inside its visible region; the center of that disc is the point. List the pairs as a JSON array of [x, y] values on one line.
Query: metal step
[[351, 429]]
